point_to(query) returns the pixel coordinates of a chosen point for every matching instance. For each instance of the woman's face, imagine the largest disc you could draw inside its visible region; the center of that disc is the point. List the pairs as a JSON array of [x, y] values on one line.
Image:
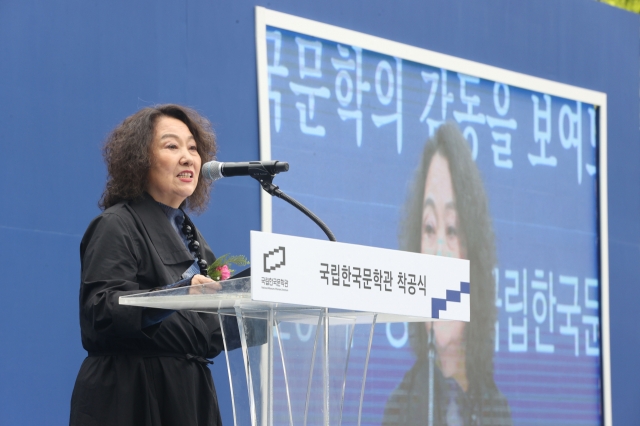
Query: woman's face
[[175, 162], [440, 227], [441, 236]]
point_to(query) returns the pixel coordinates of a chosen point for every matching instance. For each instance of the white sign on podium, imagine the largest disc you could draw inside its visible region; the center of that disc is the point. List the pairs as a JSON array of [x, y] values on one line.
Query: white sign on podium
[[304, 271]]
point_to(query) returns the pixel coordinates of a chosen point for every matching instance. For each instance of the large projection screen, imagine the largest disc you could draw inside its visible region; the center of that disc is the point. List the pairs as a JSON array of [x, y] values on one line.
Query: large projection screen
[[371, 128]]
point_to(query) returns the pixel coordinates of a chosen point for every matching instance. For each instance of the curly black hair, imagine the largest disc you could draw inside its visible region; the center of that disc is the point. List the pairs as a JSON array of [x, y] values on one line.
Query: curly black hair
[[127, 152]]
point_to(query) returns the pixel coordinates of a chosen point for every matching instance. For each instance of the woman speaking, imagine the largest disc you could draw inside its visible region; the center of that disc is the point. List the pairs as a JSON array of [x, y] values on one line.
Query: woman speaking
[[148, 366]]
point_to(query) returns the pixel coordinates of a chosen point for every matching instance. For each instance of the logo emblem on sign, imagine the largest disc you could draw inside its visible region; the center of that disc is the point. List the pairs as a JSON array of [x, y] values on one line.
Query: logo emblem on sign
[[274, 259]]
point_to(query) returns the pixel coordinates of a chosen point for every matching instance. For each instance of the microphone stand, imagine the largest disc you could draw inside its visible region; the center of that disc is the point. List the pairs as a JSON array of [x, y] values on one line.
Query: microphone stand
[[431, 356], [262, 175]]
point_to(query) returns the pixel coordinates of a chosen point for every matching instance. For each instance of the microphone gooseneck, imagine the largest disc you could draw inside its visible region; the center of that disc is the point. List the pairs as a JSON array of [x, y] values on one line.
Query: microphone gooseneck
[[263, 172]]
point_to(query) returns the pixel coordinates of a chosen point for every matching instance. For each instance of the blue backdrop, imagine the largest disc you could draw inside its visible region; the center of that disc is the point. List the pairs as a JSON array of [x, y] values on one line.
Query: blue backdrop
[[71, 70]]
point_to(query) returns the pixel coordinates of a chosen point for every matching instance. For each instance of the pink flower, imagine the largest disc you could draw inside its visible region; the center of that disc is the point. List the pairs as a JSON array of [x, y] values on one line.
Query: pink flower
[[224, 272]]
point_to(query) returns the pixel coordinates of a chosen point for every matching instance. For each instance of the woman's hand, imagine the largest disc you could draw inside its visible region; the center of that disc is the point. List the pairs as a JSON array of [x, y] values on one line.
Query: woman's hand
[[200, 279], [197, 279]]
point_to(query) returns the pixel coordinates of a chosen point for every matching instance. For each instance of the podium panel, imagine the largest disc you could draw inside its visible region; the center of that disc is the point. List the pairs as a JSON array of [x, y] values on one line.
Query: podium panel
[[318, 379]]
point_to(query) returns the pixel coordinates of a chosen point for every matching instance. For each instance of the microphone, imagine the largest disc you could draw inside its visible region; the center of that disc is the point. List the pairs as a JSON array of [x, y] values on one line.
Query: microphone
[[214, 170]]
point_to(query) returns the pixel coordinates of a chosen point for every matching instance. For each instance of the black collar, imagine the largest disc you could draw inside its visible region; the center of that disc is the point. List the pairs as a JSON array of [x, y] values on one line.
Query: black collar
[[164, 238]]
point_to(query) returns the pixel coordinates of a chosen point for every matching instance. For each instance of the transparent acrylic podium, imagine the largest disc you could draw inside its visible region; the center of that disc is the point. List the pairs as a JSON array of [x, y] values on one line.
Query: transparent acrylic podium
[[294, 365]]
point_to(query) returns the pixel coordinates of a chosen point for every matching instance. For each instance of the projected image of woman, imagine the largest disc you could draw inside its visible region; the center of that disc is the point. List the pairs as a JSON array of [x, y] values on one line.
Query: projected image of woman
[[447, 214]]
